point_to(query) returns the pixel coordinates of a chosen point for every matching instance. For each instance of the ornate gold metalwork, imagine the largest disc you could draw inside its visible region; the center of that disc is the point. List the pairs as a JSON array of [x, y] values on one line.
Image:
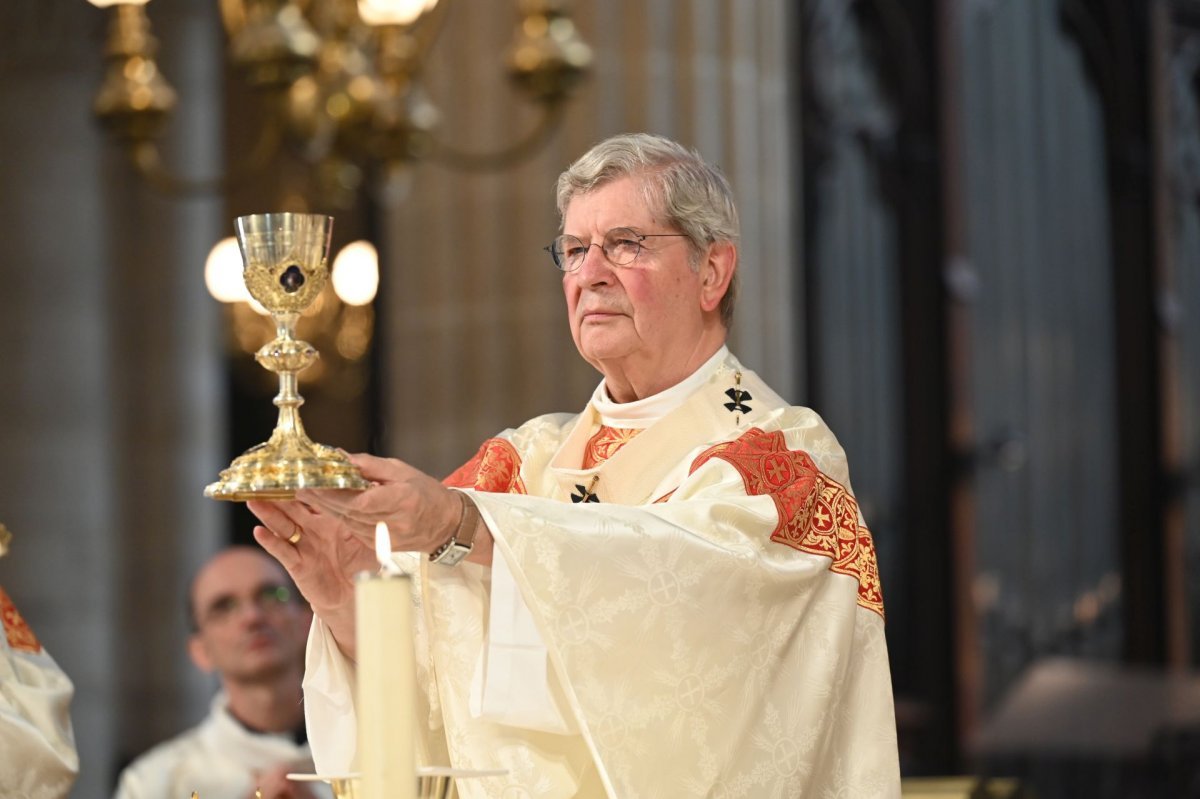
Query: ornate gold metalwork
[[286, 264], [433, 782], [346, 96], [429, 786]]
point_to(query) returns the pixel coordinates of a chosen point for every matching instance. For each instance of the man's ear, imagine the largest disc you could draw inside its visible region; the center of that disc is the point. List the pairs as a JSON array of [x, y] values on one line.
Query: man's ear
[[199, 653], [716, 273]]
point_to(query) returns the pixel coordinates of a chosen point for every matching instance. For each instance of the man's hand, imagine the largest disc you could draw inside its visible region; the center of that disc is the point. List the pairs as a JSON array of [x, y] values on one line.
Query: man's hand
[[325, 536], [322, 560], [419, 511]]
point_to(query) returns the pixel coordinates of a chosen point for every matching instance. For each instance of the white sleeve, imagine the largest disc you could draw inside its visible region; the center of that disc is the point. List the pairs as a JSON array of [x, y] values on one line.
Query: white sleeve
[[330, 685], [511, 683]]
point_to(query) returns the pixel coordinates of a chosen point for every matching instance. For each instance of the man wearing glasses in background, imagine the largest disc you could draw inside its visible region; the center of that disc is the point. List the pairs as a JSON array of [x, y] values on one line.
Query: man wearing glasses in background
[[670, 594], [248, 629]]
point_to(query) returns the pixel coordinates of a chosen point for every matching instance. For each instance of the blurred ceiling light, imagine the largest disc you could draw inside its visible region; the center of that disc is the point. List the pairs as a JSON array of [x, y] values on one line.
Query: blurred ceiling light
[[393, 12], [355, 274], [223, 272]]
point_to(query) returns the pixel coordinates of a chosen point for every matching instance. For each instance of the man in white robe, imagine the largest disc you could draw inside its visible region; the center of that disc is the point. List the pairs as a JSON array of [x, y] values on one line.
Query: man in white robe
[[37, 745], [249, 631], [669, 594]]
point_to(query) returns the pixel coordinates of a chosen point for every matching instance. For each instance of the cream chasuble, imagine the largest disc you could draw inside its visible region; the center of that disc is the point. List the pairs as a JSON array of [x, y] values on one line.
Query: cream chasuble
[[706, 599], [37, 746]]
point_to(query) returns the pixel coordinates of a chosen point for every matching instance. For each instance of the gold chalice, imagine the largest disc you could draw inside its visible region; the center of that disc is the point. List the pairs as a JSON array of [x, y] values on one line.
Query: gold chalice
[[285, 265]]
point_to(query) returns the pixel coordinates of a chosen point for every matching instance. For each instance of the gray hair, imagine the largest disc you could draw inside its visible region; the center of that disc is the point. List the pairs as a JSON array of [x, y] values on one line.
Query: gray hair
[[690, 194]]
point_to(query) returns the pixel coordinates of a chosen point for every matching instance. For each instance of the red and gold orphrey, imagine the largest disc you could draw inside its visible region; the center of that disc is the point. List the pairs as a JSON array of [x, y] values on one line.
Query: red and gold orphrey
[[605, 442], [19, 636], [817, 515], [495, 468]]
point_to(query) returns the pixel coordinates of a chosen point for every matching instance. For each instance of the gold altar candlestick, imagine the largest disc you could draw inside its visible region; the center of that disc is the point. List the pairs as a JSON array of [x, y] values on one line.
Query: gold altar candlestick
[[386, 679]]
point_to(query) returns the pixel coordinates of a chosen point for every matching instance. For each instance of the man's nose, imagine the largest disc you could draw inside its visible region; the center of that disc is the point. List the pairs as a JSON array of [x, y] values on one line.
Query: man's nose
[[251, 612], [595, 268]]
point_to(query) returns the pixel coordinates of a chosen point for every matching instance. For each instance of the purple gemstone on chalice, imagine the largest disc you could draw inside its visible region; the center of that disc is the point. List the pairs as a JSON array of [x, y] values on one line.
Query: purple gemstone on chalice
[[291, 279]]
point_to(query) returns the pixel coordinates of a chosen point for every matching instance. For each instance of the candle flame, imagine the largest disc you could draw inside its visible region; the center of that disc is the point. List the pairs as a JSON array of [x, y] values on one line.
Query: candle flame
[[383, 544], [383, 550]]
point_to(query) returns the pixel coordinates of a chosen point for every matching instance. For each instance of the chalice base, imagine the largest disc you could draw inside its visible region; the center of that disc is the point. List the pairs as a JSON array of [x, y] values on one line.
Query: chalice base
[[280, 467]]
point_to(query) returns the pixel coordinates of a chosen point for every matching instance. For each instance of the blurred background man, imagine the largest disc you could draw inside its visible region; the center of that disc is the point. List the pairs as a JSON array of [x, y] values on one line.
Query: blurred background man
[[249, 630]]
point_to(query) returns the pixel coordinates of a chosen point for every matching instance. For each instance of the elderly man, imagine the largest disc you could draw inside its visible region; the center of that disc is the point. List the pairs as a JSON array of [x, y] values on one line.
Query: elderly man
[[671, 593], [37, 745], [249, 630]]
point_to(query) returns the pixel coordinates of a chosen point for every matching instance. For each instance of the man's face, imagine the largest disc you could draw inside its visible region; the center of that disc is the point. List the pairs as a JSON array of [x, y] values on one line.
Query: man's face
[[637, 321], [251, 625]]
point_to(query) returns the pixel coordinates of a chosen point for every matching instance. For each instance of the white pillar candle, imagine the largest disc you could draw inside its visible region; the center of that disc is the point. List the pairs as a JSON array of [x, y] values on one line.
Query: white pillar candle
[[386, 679]]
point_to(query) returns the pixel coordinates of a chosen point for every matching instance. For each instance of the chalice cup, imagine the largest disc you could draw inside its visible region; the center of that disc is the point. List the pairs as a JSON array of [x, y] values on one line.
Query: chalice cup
[[285, 265]]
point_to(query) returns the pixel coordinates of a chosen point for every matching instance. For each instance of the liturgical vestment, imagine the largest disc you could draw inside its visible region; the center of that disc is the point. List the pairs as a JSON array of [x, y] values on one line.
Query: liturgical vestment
[[218, 758], [684, 602], [37, 746]]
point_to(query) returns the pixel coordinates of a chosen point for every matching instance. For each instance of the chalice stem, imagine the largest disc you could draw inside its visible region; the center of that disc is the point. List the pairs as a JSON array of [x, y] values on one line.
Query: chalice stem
[[285, 326], [289, 400]]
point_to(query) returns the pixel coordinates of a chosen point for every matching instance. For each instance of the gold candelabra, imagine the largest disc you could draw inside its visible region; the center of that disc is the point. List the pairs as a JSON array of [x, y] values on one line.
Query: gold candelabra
[[341, 83]]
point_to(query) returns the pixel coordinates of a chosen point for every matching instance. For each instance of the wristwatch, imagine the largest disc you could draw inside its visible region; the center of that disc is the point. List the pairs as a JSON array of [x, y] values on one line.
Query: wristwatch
[[462, 540]]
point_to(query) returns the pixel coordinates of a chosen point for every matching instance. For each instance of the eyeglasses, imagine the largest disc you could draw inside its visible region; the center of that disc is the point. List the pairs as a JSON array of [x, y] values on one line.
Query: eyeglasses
[[269, 598], [620, 246]]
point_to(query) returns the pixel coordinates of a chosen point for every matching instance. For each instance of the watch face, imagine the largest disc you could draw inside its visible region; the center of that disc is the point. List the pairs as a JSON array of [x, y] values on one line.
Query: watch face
[[451, 553]]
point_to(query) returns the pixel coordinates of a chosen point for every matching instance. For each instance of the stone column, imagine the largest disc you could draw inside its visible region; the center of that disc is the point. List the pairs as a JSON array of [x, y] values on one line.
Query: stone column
[[113, 402]]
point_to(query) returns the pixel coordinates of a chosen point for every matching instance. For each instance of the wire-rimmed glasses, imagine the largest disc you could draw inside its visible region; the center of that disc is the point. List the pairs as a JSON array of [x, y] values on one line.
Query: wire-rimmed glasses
[[268, 598], [621, 246]]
